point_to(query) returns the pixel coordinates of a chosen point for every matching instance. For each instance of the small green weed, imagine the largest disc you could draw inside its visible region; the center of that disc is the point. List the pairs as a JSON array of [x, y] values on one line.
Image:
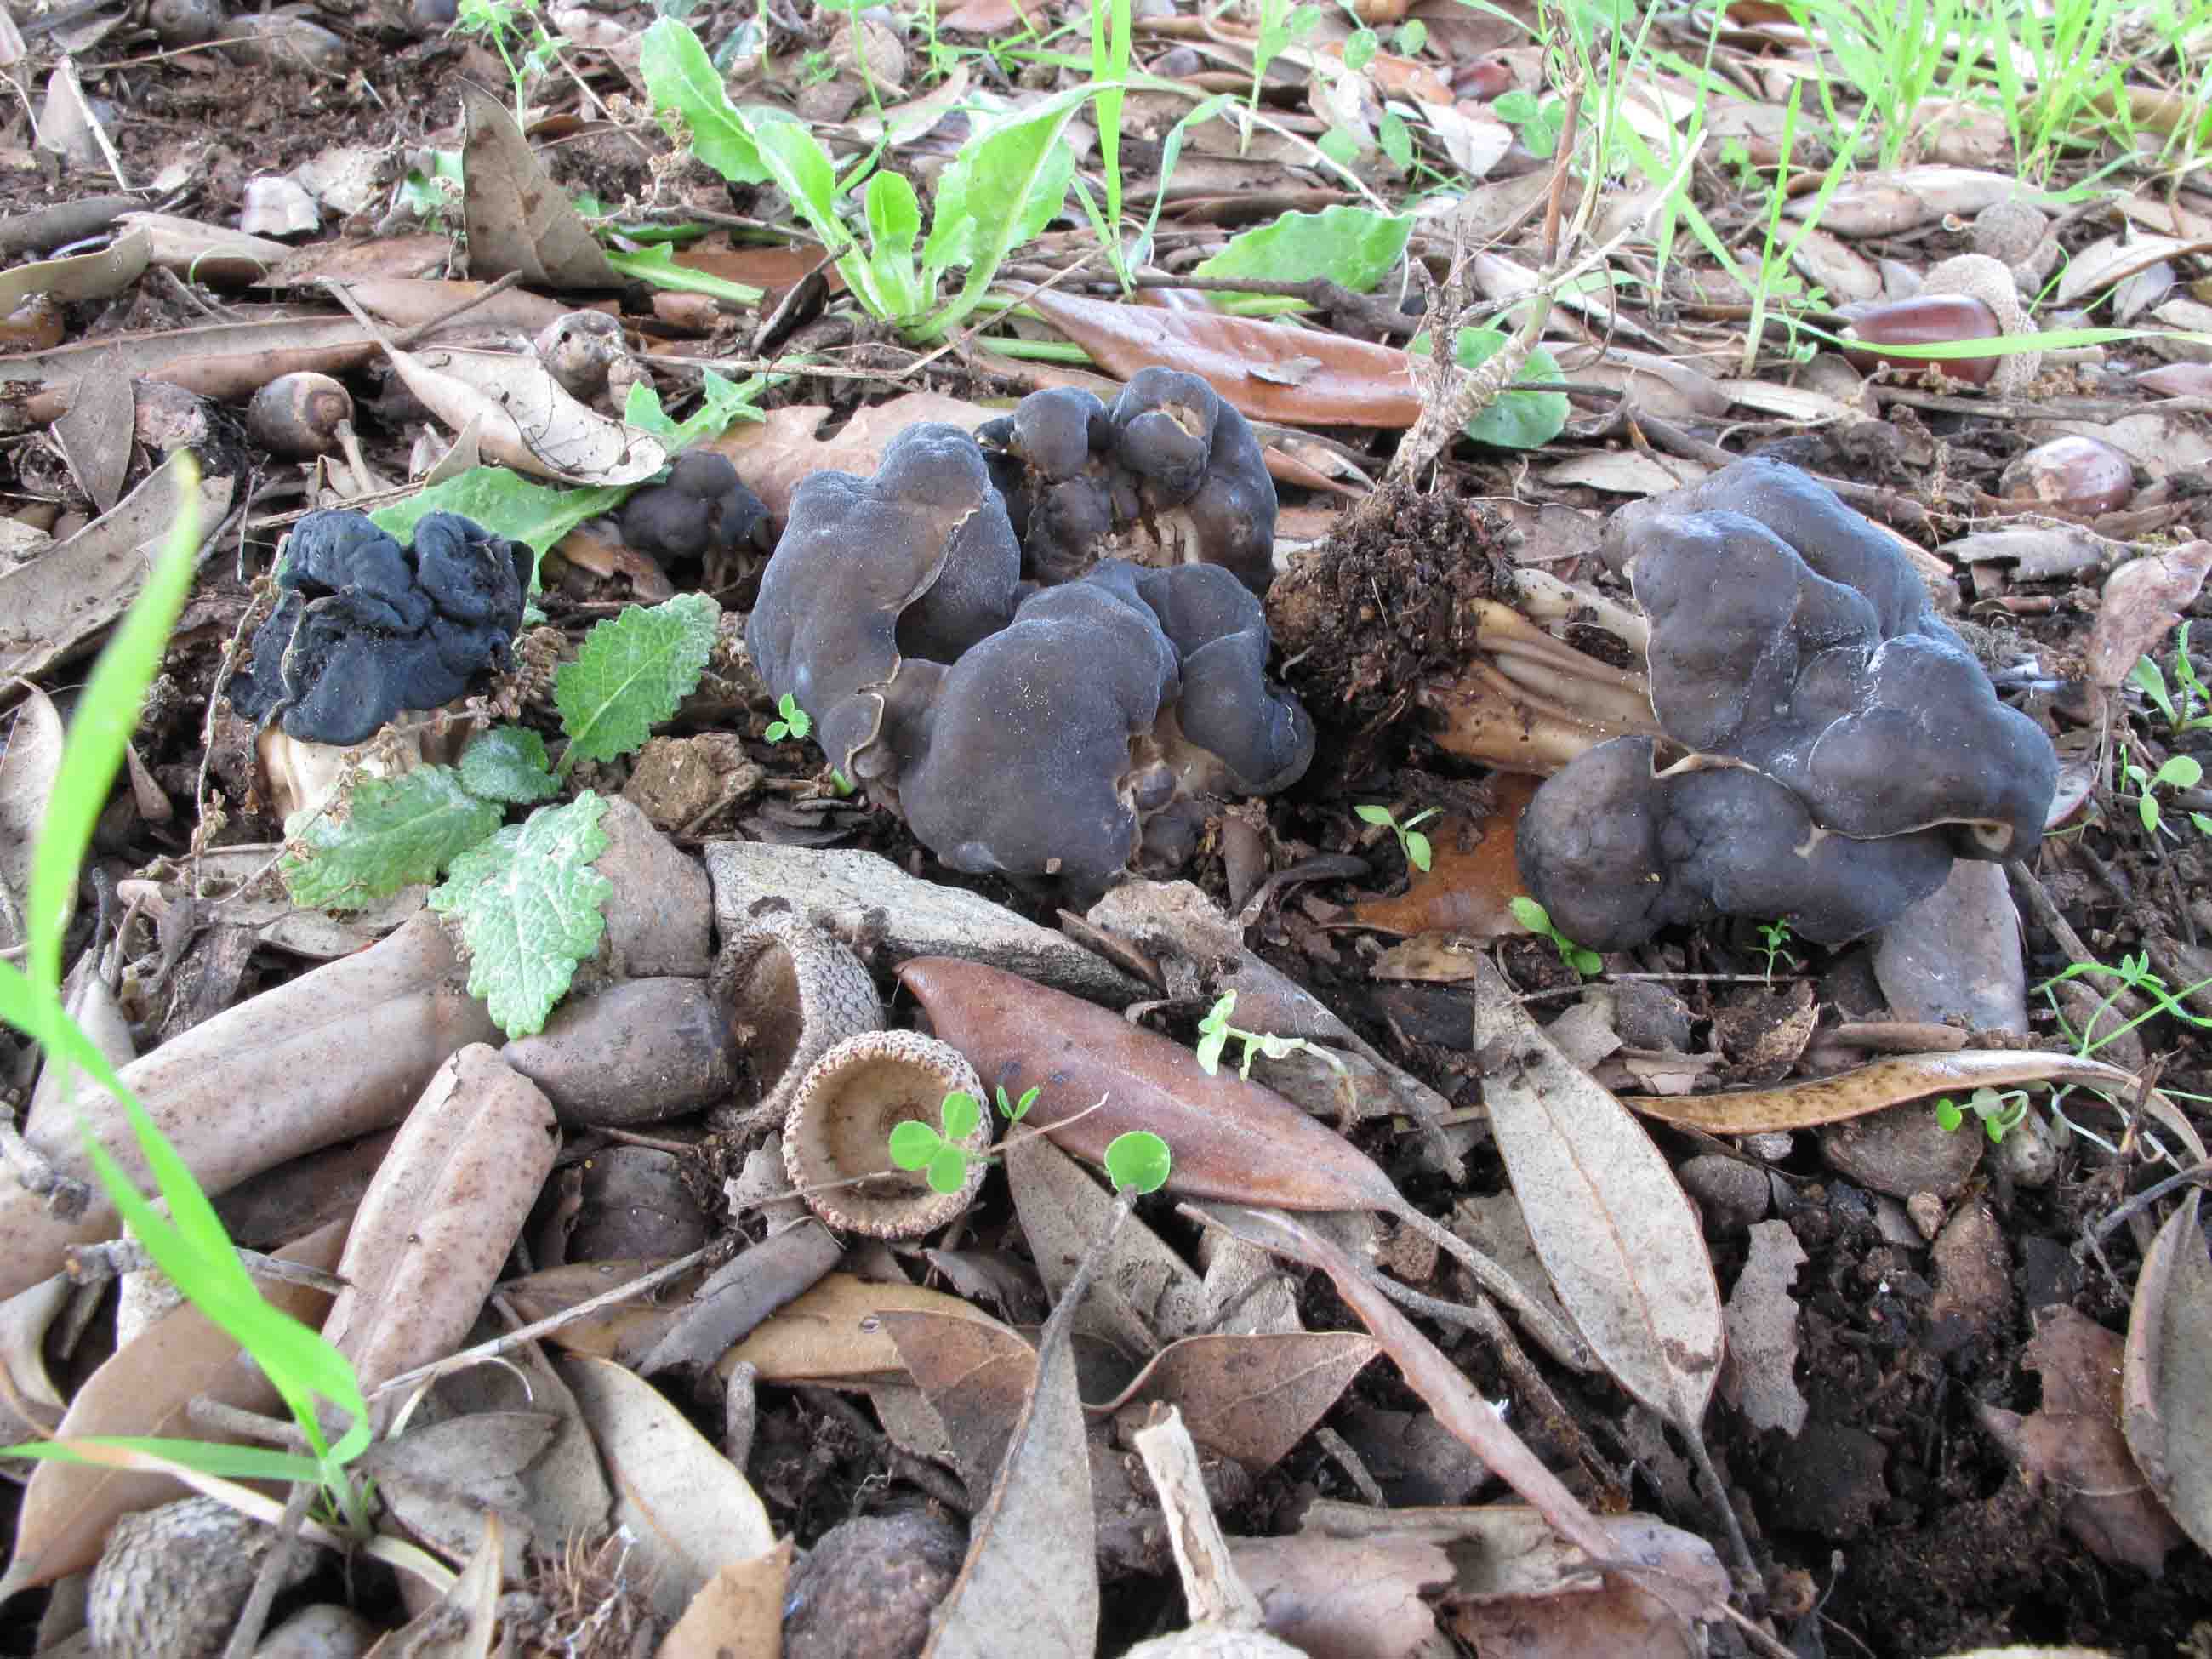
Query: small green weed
[[1533, 917], [2187, 706], [188, 1242], [2134, 976], [1773, 936], [793, 721], [1138, 1159], [1537, 121], [520, 36], [2001, 1110], [1215, 1032], [1411, 842], [2179, 772]]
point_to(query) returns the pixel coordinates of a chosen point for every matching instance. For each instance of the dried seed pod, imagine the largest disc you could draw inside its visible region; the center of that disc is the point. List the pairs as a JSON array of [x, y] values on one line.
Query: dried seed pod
[[172, 1580], [798, 993], [579, 349], [867, 1590], [839, 1126], [2074, 473]]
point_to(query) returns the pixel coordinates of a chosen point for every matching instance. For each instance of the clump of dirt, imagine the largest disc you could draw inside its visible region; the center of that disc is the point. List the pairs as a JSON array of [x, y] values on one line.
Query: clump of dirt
[[1385, 603]]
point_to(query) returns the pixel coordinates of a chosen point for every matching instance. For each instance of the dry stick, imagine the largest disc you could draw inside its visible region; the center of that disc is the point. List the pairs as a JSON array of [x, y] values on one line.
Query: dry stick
[[2030, 893], [95, 1264], [1883, 503], [246, 1635], [408, 337]]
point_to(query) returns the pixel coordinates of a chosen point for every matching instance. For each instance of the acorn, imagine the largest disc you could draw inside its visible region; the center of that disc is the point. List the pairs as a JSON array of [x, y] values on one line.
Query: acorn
[[1971, 297], [2073, 473]]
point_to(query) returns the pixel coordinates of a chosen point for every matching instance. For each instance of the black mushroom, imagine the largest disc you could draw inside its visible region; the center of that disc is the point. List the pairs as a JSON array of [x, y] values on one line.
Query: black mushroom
[[1169, 475], [365, 626], [702, 507], [1021, 730], [1841, 744]]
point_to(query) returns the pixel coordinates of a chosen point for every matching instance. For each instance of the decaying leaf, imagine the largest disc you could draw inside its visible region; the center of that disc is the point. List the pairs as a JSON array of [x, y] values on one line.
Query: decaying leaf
[[1252, 1398], [1615, 1231], [2165, 1405], [1762, 1333], [517, 219]]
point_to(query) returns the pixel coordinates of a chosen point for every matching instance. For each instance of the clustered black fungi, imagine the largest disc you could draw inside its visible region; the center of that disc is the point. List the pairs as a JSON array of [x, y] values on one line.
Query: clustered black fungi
[[365, 627], [1169, 474], [1843, 744], [702, 508], [1022, 729]]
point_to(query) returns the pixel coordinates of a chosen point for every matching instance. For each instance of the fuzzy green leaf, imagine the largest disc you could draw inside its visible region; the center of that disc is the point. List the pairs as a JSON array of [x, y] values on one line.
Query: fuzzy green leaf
[[633, 672], [507, 504], [528, 902], [398, 830], [680, 76], [1518, 420], [507, 765]]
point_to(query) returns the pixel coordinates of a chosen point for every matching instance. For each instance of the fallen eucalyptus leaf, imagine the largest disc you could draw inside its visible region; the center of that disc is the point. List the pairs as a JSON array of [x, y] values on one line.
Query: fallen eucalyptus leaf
[[2166, 1397]]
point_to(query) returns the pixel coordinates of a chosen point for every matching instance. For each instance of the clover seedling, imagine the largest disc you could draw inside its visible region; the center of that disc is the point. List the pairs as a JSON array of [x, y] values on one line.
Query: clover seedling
[[1137, 1159], [2002, 1111], [1538, 124], [915, 1145], [796, 722], [2180, 772], [1411, 842], [1533, 917], [1215, 1031]]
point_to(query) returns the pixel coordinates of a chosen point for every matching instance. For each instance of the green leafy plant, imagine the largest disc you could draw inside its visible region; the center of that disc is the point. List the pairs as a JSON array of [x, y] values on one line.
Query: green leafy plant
[[1517, 420], [1773, 936], [188, 1242], [519, 35], [1137, 1159], [2001, 1110], [1355, 247], [793, 722], [525, 896], [1282, 25], [1215, 1032], [2177, 772], [2187, 707], [1537, 121], [1003, 186], [1532, 915], [1411, 842], [2134, 976]]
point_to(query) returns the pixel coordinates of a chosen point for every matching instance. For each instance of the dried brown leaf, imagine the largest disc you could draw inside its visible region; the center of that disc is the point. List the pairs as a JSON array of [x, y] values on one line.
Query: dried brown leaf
[[1252, 1398], [2166, 1407]]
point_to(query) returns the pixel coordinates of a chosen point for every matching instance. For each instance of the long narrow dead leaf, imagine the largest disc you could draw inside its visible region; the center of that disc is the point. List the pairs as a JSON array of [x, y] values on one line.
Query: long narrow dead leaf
[[1029, 1584], [56, 607], [228, 360], [1612, 1226], [1890, 1083], [2166, 1389], [27, 767], [1353, 384]]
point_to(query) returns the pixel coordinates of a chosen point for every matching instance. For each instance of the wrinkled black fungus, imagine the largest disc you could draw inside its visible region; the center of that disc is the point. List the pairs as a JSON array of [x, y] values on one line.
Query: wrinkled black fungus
[[1021, 730], [1844, 745], [703, 506], [1169, 474], [365, 627]]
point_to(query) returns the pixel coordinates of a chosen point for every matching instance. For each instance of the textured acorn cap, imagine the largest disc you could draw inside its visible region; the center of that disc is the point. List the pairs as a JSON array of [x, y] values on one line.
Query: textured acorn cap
[[841, 1123], [799, 991]]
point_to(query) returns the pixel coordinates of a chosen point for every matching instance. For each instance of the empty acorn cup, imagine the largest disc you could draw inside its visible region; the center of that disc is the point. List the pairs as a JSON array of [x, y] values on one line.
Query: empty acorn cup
[[841, 1125], [792, 992]]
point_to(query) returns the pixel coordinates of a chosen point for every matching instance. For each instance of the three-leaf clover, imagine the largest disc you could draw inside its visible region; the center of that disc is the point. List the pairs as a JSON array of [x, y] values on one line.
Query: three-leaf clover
[[915, 1145], [796, 722], [1538, 123]]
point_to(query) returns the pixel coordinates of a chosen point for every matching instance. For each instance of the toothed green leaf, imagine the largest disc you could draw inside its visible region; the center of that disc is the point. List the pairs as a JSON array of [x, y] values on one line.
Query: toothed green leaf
[[528, 900], [507, 765], [633, 672], [396, 830]]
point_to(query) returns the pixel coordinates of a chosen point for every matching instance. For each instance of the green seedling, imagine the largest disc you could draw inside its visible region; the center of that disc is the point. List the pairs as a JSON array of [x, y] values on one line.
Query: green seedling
[[1773, 936], [2187, 706], [1532, 915], [1137, 1159], [1536, 120], [520, 38], [2179, 772], [1215, 1032], [2134, 976], [188, 1242], [1411, 842], [2001, 1110], [796, 722]]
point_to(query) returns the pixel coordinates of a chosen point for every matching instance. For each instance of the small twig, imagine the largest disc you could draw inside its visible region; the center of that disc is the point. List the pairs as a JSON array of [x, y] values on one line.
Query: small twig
[[95, 1264], [2199, 1175], [408, 337], [238, 1424], [254, 1618], [67, 1198]]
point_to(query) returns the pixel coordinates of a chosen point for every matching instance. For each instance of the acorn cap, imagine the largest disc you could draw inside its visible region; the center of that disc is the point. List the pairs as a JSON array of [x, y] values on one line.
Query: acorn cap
[[840, 1124], [797, 992]]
